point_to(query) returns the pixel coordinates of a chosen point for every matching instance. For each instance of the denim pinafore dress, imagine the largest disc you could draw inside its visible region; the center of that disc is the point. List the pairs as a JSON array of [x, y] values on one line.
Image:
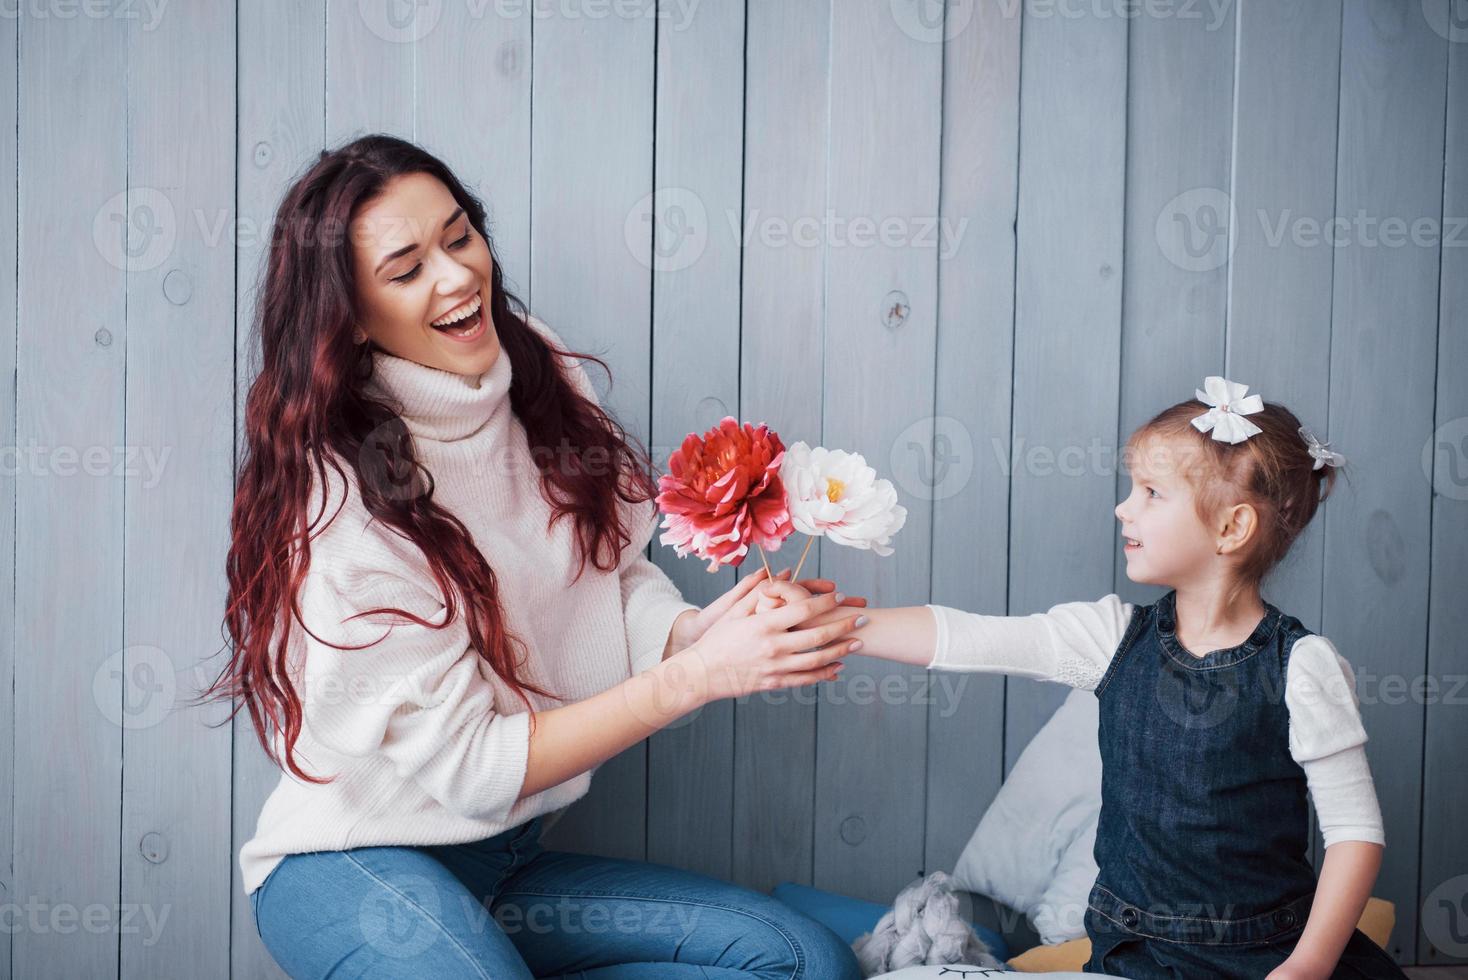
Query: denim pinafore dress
[[1203, 838]]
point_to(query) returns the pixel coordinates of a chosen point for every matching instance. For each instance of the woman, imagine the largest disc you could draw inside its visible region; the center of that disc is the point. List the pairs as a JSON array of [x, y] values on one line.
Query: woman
[[451, 531]]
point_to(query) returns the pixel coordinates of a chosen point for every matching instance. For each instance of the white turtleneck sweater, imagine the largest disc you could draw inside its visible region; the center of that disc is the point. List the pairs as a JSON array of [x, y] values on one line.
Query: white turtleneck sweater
[[426, 743]]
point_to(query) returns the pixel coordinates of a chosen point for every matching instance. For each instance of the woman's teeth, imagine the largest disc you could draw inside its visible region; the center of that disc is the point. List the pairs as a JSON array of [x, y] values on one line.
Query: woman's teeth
[[462, 321]]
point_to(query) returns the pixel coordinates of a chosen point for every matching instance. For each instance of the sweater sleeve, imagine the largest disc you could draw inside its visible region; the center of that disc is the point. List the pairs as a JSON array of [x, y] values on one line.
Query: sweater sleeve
[[650, 600], [1328, 740], [413, 694], [1071, 644]]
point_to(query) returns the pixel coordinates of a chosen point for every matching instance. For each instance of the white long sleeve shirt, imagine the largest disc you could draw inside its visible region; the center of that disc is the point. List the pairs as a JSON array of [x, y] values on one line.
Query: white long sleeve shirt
[[427, 744], [1073, 644]]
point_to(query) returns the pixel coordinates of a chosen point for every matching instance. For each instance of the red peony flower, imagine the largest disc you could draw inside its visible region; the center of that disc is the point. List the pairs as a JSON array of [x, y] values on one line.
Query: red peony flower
[[723, 492]]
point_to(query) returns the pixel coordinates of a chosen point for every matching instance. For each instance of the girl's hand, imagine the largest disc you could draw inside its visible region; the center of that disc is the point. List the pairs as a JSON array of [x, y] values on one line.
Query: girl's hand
[[1289, 970], [745, 652]]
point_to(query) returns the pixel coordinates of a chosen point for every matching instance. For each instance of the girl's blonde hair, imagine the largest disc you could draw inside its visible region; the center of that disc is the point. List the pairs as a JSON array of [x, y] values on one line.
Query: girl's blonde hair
[[1272, 470]]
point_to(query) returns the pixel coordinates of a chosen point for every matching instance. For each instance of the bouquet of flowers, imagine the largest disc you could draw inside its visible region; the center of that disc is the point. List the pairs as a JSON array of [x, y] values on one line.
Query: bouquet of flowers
[[737, 485]]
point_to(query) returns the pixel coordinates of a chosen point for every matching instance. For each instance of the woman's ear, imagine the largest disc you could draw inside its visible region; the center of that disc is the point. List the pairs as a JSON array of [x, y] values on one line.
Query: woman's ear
[[1238, 525]]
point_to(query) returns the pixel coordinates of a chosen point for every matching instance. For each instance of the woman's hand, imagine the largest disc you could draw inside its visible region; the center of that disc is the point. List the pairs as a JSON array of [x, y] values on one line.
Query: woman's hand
[[745, 652], [690, 627], [779, 593]]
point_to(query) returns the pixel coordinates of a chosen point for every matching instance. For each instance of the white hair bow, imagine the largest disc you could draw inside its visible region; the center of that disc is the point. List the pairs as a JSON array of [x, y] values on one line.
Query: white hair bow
[[1320, 450], [1226, 417]]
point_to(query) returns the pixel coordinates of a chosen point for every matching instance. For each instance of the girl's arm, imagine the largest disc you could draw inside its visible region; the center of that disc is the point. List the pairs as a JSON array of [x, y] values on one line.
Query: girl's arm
[[906, 635], [1328, 740], [1346, 880], [1071, 644]]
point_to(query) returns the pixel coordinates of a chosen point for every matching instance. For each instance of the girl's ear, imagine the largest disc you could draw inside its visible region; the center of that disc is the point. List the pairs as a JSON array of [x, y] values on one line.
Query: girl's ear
[[1239, 524]]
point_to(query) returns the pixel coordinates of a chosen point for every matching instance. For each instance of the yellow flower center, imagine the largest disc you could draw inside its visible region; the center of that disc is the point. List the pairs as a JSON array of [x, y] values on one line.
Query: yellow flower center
[[834, 490]]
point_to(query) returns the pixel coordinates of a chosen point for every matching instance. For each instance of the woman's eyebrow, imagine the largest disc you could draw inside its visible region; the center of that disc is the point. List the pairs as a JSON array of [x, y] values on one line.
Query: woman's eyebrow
[[408, 248]]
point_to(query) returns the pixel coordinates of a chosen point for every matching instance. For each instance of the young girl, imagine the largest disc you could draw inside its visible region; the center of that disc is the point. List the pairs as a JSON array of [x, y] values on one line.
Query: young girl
[[1218, 710], [443, 620]]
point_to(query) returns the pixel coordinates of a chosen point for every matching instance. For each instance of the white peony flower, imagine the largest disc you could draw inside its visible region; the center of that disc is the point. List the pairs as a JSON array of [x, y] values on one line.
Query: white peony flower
[[836, 495]]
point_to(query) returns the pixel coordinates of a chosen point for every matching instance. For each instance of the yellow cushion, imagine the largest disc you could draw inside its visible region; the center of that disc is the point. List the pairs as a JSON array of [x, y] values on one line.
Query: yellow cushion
[[1377, 919]]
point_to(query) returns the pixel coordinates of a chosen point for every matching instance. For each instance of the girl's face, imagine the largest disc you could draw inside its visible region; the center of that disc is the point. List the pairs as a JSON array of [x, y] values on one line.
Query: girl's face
[[420, 268], [1175, 548]]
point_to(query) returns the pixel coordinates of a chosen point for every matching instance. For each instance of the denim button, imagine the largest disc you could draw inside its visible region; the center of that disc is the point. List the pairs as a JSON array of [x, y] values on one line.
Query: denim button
[[1130, 918], [1285, 918]]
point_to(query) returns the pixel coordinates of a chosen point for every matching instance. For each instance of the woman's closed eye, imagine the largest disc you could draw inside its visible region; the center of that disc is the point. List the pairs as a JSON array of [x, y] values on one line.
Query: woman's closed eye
[[412, 273]]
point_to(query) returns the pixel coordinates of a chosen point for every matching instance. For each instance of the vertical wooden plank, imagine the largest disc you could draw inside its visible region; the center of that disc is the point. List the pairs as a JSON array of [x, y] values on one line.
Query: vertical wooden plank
[[1389, 180], [695, 266], [783, 299], [369, 65], [281, 118], [484, 137], [1443, 885], [967, 473], [1067, 325], [79, 232], [591, 154], [9, 109], [180, 424], [882, 298], [1180, 77], [1288, 72]]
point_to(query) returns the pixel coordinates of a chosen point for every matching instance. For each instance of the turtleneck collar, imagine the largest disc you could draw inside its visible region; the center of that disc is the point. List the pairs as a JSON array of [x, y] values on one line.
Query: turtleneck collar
[[440, 405]]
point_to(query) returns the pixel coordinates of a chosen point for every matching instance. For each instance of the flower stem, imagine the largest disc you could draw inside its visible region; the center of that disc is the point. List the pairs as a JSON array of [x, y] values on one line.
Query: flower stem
[[766, 561], [810, 540]]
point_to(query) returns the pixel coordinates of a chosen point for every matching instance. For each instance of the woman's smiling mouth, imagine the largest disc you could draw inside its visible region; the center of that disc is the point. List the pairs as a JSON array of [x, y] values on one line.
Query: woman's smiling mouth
[[463, 323]]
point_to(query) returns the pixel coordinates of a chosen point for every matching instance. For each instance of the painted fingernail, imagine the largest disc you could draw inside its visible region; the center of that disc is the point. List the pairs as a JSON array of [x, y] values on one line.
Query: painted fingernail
[[856, 645], [861, 621], [840, 598]]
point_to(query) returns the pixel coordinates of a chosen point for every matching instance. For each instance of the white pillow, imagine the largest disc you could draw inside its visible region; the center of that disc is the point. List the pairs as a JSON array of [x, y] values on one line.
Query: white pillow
[[959, 971], [1033, 848]]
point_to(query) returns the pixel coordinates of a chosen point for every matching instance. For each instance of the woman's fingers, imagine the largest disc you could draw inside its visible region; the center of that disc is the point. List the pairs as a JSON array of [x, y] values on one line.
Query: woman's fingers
[[800, 678], [758, 599], [729, 600], [819, 636], [781, 592], [797, 611], [820, 586], [816, 659]]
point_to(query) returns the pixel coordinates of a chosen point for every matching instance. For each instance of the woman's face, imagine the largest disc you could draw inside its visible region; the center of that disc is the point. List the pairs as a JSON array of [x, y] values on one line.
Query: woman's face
[[420, 267]]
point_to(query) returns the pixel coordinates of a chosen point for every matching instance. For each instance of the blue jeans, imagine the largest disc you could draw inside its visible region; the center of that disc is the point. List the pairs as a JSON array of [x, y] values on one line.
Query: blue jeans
[[504, 908]]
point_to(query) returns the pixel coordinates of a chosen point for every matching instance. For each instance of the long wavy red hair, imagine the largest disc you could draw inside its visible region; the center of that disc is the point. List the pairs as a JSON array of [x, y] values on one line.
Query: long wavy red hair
[[307, 408]]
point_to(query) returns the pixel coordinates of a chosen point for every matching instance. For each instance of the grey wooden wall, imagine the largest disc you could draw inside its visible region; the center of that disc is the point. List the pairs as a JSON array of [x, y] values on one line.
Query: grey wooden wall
[[1132, 195]]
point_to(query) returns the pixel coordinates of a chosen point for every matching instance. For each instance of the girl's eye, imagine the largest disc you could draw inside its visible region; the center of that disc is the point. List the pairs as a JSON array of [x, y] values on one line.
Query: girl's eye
[[1153, 492], [461, 242]]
